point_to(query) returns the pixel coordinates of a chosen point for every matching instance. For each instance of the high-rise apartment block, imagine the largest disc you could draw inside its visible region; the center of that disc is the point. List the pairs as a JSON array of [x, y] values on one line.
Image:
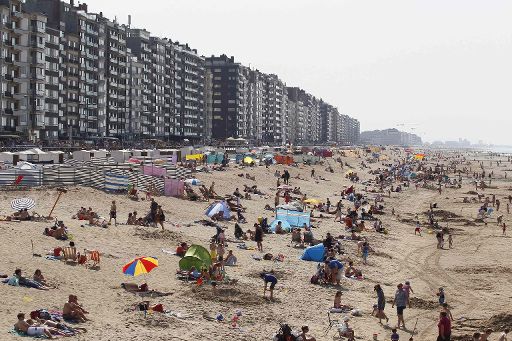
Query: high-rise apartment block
[[69, 74]]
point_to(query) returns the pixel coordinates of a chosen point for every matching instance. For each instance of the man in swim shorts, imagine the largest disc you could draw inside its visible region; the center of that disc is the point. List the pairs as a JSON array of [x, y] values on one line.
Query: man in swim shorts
[[23, 326], [269, 278]]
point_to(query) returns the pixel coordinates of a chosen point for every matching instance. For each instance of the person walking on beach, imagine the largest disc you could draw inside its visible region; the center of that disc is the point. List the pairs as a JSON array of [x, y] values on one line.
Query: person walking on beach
[[401, 303], [504, 229], [450, 241], [286, 177], [381, 303], [441, 296], [444, 327], [113, 213], [258, 237]]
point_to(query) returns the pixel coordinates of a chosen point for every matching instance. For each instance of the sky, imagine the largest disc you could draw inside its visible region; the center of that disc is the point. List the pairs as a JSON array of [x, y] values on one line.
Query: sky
[[438, 68]]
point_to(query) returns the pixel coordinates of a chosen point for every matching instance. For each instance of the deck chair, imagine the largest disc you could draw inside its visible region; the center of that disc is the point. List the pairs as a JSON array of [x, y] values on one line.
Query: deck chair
[[18, 180], [69, 254], [332, 323], [94, 257]]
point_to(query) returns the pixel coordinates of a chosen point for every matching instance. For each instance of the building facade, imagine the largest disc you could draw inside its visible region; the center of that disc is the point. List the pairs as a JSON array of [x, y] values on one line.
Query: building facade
[[69, 74]]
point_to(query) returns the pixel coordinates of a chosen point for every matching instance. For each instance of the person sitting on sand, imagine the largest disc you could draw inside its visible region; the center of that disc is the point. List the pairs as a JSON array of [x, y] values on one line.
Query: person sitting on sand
[[303, 335], [39, 278], [279, 228], [352, 272], [239, 233], [18, 279], [35, 331], [345, 331], [73, 311], [296, 236], [181, 249], [130, 220], [337, 301], [219, 216], [60, 232], [230, 259]]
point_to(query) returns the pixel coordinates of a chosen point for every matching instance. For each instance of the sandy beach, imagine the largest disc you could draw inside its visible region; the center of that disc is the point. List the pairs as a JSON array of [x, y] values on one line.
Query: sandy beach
[[476, 273]]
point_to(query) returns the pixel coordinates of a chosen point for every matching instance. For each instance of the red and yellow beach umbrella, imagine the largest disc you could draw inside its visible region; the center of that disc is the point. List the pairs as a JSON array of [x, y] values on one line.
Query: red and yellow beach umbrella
[[140, 266]]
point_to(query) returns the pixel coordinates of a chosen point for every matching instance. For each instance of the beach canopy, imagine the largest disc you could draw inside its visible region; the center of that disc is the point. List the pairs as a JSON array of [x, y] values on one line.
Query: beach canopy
[[285, 225], [314, 253], [197, 257], [23, 203], [140, 266], [216, 207]]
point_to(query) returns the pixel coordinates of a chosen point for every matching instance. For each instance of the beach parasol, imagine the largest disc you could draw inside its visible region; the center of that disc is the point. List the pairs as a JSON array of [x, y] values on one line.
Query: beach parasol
[[23, 203], [139, 266]]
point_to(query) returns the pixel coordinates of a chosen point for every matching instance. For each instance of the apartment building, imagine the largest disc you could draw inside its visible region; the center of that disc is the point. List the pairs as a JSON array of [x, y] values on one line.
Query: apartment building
[[190, 96], [67, 73], [390, 137], [228, 78], [22, 64]]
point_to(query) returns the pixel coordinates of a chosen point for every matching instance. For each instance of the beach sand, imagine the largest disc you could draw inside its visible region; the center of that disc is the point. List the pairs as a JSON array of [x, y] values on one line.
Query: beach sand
[[476, 273]]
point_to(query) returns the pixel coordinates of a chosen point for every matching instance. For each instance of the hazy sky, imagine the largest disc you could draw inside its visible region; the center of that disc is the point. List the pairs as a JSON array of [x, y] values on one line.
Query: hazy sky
[[440, 67]]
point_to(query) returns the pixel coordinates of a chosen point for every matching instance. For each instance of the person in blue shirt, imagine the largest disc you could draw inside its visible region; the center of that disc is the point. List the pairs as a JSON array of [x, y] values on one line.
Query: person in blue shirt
[[269, 278], [335, 266], [394, 335]]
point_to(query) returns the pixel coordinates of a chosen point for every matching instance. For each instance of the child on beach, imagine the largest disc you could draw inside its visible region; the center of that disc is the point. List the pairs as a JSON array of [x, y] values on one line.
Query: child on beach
[[441, 296], [365, 251], [417, 229], [450, 241], [408, 290], [394, 335]]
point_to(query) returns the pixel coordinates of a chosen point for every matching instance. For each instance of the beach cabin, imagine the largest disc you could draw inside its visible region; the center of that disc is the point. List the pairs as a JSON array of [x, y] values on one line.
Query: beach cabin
[[9, 158], [87, 155], [121, 156], [169, 155], [145, 153], [36, 155]]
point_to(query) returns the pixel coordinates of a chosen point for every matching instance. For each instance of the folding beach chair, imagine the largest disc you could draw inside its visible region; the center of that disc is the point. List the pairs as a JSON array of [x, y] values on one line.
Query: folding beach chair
[[94, 257], [69, 254], [332, 323]]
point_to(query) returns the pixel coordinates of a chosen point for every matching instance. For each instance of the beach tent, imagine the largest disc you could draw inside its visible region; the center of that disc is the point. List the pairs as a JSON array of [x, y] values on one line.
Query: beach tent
[[216, 207], [196, 256], [286, 225], [314, 253], [294, 218], [248, 160]]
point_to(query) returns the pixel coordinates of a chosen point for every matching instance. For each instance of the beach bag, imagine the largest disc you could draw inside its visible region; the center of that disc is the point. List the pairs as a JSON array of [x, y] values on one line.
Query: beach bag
[[143, 287]]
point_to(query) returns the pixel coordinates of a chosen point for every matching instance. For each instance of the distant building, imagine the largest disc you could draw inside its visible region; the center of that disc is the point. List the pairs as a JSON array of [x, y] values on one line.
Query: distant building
[[390, 137]]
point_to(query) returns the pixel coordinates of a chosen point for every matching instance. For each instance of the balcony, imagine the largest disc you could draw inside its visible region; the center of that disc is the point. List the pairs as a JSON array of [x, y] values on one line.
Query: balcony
[[8, 77], [8, 94], [8, 60]]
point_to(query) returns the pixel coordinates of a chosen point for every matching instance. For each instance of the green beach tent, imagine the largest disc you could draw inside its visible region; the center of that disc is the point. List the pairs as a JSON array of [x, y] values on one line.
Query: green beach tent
[[196, 256]]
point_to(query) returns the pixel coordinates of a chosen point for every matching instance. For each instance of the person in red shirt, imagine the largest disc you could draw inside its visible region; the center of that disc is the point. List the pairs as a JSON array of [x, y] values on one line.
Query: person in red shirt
[[444, 326]]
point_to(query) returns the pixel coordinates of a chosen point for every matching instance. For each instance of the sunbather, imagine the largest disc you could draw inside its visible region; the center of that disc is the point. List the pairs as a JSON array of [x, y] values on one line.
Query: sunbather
[[35, 330], [73, 311], [18, 279]]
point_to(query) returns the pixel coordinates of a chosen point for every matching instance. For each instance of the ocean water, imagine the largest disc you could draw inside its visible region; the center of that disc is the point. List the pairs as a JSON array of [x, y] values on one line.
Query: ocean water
[[501, 149]]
